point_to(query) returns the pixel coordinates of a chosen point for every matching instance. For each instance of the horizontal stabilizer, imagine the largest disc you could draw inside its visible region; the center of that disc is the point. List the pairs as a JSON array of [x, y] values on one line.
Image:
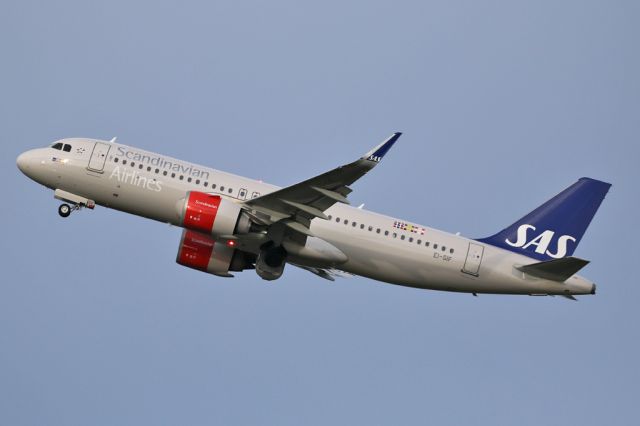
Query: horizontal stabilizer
[[555, 270]]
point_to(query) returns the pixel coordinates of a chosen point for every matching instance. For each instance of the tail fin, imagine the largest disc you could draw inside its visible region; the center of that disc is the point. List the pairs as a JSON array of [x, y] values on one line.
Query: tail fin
[[553, 230]]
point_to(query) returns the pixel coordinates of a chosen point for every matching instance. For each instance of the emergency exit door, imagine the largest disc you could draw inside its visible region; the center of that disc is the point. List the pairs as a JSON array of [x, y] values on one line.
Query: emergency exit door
[[99, 157], [473, 260]]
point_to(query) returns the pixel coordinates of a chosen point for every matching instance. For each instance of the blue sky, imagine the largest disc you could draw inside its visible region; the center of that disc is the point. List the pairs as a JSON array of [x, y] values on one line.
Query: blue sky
[[502, 105]]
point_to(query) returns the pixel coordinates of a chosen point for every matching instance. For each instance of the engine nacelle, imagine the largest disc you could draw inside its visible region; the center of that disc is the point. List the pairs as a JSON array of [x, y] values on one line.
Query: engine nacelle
[[202, 252], [211, 214], [270, 263]]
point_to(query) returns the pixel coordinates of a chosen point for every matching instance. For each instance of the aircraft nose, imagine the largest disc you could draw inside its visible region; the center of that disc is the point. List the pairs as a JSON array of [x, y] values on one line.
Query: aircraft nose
[[27, 162], [23, 162]]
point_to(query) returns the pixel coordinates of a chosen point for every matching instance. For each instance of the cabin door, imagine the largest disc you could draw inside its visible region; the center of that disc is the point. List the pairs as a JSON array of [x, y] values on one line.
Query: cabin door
[[473, 260], [99, 157]]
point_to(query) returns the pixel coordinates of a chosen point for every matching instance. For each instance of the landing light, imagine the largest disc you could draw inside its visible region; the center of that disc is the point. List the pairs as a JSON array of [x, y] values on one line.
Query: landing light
[[231, 243]]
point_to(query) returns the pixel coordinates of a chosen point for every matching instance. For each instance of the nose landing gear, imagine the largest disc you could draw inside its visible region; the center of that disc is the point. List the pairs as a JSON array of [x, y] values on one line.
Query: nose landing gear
[[65, 209], [76, 202]]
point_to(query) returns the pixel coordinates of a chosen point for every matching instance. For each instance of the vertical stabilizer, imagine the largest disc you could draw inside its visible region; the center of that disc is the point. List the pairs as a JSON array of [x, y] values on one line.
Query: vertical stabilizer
[[553, 230]]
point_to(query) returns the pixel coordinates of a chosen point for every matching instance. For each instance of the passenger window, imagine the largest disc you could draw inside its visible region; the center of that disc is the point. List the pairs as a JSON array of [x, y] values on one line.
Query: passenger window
[[181, 177], [230, 190], [395, 235], [164, 173], [386, 232], [346, 221], [444, 248], [67, 148], [419, 242], [337, 219], [115, 160], [157, 171], [140, 166], [353, 224], [370, 228], [206, 184], [213, 186], [133, 164], [378, 231], [402, 237], [189, 180], [435, 246], [173, 175], [124, 162], [410, 239], [197, 181], [451, 251], [329, 217], [426, 244], [362, 226], [57, 146], [222, 189], [149, 169]]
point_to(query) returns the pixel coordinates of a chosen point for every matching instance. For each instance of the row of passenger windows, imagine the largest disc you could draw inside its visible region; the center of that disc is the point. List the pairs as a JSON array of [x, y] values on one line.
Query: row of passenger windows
[[59, 146], [230, 190], [173, 175], [393, 234]]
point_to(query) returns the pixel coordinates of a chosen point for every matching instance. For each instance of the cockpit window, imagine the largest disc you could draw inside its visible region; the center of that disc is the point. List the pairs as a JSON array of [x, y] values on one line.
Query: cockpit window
[[57, 146], [67, 148]]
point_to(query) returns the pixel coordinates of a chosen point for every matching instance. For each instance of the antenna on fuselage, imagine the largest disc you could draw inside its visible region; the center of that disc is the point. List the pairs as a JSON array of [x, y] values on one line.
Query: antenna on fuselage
[[113, 140]]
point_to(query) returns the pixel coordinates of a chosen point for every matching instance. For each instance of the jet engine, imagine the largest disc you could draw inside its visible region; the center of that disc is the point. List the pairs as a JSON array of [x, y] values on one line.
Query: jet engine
[[211, 214], [270, 262], [202, 252]]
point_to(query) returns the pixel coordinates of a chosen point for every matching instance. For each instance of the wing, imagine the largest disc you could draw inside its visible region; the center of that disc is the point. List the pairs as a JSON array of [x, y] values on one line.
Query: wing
[[327, 273], [295, 206]]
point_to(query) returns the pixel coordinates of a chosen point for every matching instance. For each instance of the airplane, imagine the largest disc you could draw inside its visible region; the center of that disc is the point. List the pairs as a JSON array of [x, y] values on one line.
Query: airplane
[[232, 223]]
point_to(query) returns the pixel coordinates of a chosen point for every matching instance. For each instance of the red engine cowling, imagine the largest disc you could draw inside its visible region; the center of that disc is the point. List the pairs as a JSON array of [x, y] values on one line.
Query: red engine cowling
[[202, 252], [211, 214]]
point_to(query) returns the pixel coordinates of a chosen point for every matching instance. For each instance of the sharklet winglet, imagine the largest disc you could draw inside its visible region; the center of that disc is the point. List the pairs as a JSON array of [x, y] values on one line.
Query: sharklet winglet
[[377, 153]]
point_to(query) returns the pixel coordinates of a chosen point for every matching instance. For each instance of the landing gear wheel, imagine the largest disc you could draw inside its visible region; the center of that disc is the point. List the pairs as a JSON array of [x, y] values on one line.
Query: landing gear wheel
[[64, 210]]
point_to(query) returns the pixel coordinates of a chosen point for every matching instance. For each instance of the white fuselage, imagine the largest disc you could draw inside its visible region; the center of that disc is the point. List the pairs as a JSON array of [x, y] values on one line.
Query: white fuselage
[[377, 246]]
